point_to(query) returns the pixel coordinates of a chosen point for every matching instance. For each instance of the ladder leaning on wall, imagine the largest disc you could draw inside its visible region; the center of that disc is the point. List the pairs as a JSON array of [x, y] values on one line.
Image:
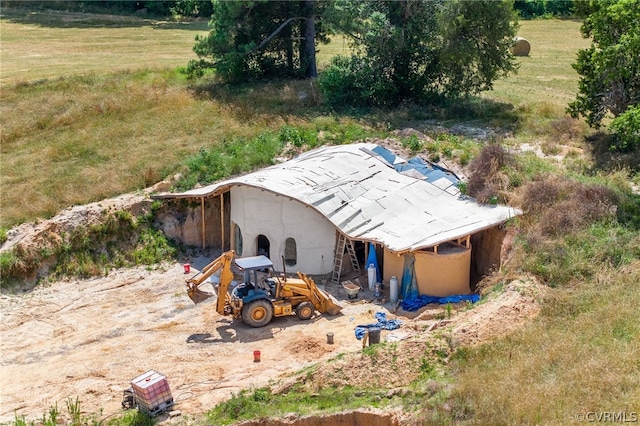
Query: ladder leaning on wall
[[343, 242]]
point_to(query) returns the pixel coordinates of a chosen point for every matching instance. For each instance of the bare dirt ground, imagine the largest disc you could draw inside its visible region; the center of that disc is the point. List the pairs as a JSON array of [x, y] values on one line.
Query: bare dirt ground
[[90, 338]]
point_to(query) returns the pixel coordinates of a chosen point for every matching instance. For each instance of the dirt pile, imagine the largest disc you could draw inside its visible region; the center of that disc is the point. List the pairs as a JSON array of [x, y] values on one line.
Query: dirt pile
[[428, 337], [42, 236]]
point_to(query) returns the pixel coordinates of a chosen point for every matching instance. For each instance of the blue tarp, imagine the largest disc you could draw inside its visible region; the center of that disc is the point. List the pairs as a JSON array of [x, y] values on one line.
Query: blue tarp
[[389, 156], [415, 303], [431, 171], [383, 323], [374, 259], [408, 284]]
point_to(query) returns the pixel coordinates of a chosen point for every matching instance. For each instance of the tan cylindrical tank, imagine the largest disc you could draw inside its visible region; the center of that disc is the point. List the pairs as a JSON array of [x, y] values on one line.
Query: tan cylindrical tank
[[445, 272]]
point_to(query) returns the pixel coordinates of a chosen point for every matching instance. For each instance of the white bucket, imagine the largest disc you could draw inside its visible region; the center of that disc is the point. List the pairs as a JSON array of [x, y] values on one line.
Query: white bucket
[[371, 274], [393, 289]]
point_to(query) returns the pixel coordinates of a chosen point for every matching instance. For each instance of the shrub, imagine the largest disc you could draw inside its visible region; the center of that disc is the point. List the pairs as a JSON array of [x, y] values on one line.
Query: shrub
[[354, 82], [298, 137], [487, 179], [626, 127], [561, 206], [567, 128], [412, 143], [629, 211]]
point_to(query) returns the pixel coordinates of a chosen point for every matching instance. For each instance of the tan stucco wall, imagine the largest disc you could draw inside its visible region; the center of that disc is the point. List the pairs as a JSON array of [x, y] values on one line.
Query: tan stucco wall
[[443, 274], [259, 212], [392, 266]]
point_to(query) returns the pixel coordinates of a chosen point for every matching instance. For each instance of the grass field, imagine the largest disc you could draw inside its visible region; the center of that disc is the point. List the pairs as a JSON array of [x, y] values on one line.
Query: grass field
[[53, 44], [92, 107], [88, 114], [546, 75]]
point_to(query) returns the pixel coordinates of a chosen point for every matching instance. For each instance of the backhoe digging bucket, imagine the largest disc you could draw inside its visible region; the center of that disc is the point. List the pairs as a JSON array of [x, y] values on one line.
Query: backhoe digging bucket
[[197, 295], [331, 304]]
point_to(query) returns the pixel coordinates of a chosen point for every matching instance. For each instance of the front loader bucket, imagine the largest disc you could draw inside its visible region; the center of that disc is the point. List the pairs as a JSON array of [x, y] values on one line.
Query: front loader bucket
[[323, 301], [198, 295]]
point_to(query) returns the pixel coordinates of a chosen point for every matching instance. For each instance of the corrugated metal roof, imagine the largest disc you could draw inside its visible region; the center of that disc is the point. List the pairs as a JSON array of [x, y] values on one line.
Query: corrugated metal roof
[[366, 198]]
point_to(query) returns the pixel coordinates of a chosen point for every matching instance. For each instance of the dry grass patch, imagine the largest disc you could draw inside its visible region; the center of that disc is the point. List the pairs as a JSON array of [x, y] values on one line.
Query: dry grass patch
[[74, 141], [577, 357], [65, 44], [567, 129], [557, 206]]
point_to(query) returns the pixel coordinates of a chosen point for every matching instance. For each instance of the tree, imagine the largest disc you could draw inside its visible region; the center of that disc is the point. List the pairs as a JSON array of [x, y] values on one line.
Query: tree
[[420, 49], [259, 38], [535, 8], [187, 8], [609, 69], [626, 127]]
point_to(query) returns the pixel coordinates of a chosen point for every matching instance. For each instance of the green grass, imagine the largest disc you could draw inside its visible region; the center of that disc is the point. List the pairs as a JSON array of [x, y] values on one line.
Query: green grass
[[75, 417], [48, 44], [581, 255], [249, 404], [545, 81]]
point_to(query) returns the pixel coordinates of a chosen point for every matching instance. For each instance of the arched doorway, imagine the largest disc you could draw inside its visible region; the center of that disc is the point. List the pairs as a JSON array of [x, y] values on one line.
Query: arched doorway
[[263, 246]]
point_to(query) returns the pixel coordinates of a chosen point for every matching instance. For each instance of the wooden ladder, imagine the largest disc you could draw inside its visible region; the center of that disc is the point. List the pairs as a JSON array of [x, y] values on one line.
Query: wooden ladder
[[343, 242]]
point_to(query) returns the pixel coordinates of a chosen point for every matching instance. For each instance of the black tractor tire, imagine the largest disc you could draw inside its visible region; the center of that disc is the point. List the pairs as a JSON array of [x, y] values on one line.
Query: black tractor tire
[[305, 310], [257, 313]]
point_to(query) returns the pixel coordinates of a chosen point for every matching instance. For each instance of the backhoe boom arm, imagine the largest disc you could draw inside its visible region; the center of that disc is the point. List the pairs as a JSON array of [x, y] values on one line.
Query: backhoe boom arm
[[223, 264]]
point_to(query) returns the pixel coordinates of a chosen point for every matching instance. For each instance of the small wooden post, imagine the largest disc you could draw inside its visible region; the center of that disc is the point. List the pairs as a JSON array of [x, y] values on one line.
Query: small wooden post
[[222, 220], [202, 220]]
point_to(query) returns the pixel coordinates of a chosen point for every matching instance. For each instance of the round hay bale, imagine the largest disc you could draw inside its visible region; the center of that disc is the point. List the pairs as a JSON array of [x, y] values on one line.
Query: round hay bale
[[520, 47]]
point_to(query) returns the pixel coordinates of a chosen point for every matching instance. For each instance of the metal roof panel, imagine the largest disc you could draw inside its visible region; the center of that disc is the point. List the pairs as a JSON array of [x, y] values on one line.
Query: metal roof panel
[[366, 198]]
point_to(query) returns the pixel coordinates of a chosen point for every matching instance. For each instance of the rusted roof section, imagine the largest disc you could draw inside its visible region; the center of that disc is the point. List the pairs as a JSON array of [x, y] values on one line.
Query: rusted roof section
[[367, 199]]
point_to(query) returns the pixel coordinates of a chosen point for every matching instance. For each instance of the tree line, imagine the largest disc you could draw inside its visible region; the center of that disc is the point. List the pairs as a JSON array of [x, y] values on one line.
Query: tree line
[[411, 50], [422, 51], [156, 8], [526, 9]]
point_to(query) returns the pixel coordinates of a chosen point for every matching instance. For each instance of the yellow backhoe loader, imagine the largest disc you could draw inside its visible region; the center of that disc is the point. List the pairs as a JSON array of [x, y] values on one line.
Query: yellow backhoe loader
[[257, 302]]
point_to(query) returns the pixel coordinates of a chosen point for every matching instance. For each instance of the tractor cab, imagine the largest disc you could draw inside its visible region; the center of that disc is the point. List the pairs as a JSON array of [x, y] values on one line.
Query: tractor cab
[[256, 281]]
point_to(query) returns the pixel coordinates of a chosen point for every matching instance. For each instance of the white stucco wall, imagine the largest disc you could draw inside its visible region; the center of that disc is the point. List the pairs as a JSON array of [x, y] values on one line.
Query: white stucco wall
[[259, 212]]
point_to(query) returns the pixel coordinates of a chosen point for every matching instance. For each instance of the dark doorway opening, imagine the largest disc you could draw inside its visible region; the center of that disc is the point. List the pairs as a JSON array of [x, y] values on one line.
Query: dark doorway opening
[[263, 246]]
